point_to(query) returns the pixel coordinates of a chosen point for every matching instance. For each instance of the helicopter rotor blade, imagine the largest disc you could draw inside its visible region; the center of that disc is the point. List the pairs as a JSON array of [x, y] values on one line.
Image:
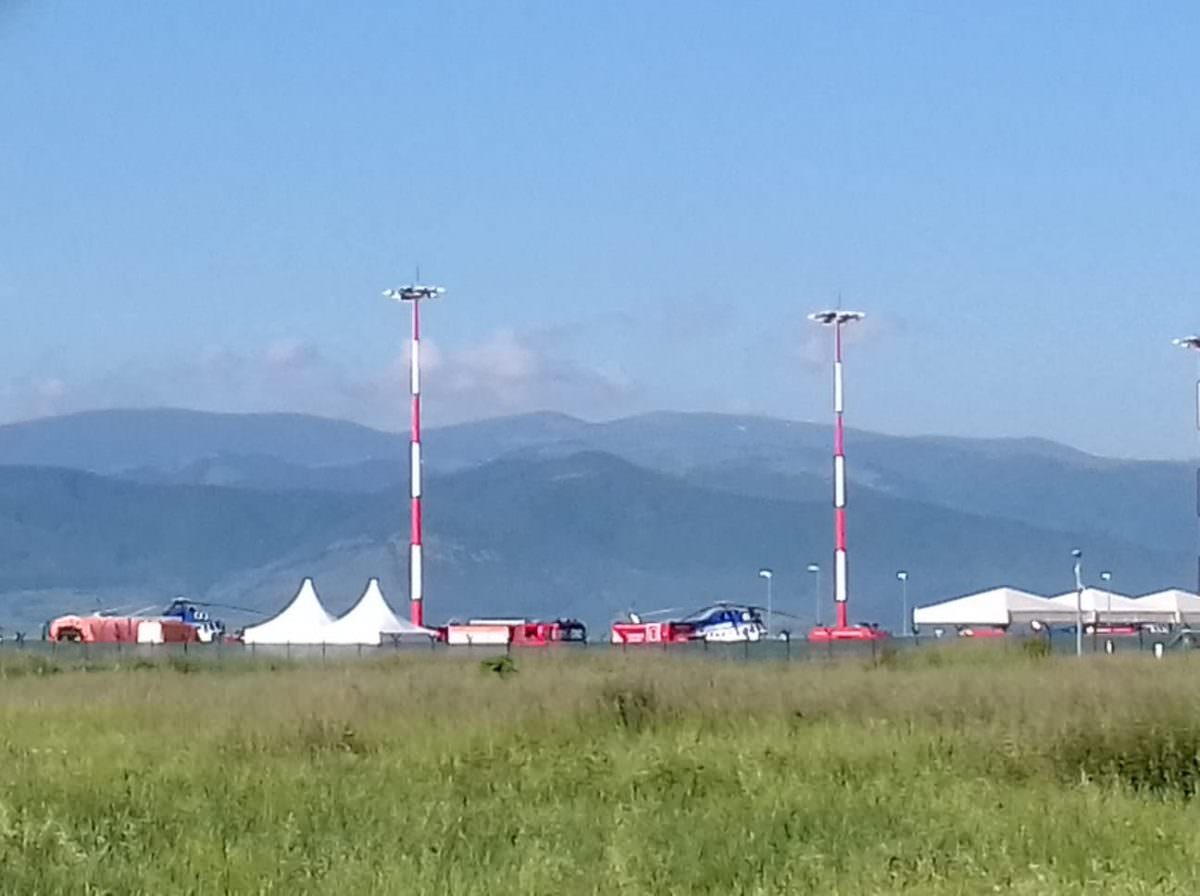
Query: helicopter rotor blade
[[775, 611], [651, 613], [238, 609], [706, 609], [121, 610], [208, 603]]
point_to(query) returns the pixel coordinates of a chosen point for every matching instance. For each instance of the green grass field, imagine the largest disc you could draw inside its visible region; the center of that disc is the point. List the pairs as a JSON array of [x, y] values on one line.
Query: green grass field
[[935, 772]]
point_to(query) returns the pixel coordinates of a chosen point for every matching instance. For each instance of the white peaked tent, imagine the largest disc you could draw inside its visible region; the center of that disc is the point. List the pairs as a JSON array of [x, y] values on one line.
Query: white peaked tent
[[1183, 605], [369, 620], [998, 606], [303, 621], [1108, 606]]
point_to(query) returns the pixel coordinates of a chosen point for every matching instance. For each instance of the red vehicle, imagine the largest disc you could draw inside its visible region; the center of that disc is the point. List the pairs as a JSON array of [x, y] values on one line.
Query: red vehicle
[[862, 632], [541, 634], [981, 632], [515, 632], [1122, 631], [639, 632]]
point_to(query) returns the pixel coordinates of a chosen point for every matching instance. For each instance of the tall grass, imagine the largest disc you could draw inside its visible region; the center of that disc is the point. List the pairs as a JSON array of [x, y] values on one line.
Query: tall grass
[[934, 772]]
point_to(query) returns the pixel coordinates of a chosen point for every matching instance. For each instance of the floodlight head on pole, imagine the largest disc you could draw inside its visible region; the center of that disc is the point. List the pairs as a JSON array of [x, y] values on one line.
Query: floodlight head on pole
[[836, 318], [902, 575], [415, 293], [1192, 342], [814, 567], [766, 573], [1106, 576]]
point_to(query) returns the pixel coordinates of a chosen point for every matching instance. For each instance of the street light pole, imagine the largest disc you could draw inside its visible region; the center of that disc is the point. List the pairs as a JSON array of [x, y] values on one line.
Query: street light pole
[[905, 627], [415, 294], [815, 570], [1106, 578], [1078, 555], [769, 576], [1193, 343]]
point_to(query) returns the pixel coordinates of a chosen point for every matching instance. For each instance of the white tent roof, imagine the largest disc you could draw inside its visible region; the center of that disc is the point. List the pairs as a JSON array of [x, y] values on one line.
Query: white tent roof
[[302, 621], [368, 620], [1183, 604], [998, 606], [1108, 606]]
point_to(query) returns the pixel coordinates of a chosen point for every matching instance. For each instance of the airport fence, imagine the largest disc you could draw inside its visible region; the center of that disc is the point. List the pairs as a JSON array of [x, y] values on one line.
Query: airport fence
[[774, 650]]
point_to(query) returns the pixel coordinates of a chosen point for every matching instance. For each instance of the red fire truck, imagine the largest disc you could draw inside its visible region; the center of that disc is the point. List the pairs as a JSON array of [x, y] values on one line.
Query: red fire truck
[[514, 632]]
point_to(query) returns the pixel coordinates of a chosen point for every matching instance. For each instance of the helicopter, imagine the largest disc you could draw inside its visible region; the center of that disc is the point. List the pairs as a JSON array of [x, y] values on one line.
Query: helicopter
[[719, 622], [207, 628], [722, 622]]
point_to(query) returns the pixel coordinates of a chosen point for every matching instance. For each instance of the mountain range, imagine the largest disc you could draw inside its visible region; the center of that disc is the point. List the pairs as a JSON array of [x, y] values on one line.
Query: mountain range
[[546, 515]]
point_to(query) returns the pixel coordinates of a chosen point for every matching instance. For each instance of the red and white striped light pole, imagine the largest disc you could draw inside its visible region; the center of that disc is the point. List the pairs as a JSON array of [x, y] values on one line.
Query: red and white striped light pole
[[416, 594], [838, 319]]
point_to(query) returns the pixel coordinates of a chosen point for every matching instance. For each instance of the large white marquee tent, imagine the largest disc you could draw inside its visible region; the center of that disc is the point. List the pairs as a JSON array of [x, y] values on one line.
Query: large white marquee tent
[[1003, 607], [303, 621], [369, 621], [1102, 606], [1183, 605], [996, 607]]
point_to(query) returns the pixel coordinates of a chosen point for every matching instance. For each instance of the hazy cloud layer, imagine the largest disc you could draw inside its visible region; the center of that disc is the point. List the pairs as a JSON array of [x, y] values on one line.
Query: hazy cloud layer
[[508, 372]]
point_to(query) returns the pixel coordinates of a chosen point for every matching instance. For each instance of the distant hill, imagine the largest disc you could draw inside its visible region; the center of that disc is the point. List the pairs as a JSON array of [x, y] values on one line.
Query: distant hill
[[1024, 480], [120, 440], [172, 440], [262, 472], [588, 534], [69, 529]]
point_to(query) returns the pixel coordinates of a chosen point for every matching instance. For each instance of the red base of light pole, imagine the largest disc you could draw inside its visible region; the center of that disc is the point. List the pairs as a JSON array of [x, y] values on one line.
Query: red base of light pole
[[844, 631], [825, 633]]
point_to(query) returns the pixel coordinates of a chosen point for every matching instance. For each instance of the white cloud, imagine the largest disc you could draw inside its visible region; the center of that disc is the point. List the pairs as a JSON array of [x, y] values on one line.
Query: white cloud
[[33, 397], [292, 354], [507, 372]]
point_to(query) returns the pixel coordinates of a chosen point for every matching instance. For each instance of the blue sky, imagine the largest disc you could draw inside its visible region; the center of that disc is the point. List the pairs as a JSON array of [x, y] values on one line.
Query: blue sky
[[632, 205]]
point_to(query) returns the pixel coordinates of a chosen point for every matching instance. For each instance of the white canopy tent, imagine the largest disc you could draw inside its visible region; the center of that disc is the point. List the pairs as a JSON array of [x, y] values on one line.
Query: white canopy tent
[[1107, 607], [369, 620], [303, 621], [1183, 605], [997, 607]]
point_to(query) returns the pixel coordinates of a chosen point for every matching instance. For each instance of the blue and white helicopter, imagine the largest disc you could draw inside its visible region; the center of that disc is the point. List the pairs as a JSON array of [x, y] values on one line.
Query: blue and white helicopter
[[208, 629], [720, 622], [725, 622]]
